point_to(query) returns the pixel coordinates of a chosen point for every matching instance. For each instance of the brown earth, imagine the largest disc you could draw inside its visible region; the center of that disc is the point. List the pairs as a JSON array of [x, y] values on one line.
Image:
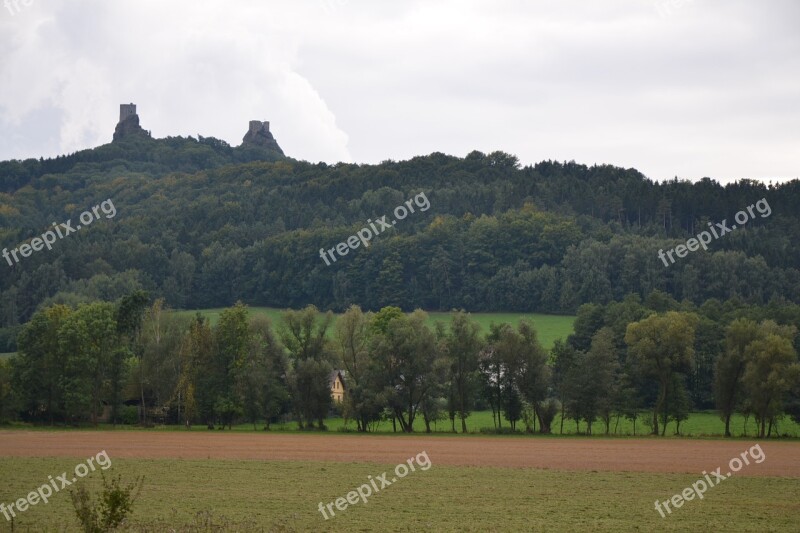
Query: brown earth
[[634, 455]]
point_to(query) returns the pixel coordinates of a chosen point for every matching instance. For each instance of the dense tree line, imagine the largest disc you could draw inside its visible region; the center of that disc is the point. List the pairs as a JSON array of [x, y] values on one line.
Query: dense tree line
[[135, 153], [202, 224], [652, 361]]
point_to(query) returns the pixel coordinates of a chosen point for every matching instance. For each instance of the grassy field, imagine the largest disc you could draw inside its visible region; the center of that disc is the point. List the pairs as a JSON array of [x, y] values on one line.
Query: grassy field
[[284, 496], [698, 425], [7, 355], [549, 327], [703, 424]]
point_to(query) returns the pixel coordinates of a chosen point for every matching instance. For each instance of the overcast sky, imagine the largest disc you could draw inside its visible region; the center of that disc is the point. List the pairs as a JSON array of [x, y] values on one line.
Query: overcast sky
[[686, 88]]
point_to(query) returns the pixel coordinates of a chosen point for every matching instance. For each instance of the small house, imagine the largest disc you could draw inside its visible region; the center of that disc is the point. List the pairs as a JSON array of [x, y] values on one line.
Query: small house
[[337, 385]]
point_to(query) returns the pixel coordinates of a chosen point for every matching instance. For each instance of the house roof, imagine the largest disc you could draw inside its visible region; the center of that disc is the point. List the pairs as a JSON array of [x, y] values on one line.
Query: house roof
[[332, 377]]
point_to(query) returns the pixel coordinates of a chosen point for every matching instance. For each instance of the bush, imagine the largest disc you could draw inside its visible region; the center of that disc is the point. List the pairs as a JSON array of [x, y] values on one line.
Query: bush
[[129, 415], [116, 502]]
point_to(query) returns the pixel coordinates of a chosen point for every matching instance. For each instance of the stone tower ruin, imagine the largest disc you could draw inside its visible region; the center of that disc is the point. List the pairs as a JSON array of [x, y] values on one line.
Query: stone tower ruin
[[257, 125], [126, 110], [128, 123], [259, 135]]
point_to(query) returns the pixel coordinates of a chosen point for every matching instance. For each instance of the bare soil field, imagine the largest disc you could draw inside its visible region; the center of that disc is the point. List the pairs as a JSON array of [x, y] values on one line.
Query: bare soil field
[[614, 455]]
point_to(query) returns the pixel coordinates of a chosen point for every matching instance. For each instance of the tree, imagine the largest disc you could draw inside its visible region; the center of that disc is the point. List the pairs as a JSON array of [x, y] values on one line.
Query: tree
[[39, 367], [663, 345], [679, 402], [232, 346], [363, 397], [251, 378], [116, 380], [490, 370], [769, 376], [162, 335], [546, 411], [793, 402], [391, 286], [130, 314], [184, 395], [564, 359], [462, 347], [434, 406], [629, 397], [600, 368], [573, 387], [407, 351], [159, 365], [588, 320], [198, 379], [523, 371], [512, 406], [8, 402], [730, 368], [261, 380], [536, 376], [509, 354], [89, 336], [386, 363], [303, 335]]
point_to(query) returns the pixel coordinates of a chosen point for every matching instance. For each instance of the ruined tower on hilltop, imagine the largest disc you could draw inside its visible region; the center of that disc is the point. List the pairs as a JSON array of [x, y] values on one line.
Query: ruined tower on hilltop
[[126, 110], [257, 125], [128, 123], [259, 135]]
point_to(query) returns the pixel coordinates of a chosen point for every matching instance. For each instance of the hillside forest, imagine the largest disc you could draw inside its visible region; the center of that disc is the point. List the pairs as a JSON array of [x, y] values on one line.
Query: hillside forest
[[201, 224]]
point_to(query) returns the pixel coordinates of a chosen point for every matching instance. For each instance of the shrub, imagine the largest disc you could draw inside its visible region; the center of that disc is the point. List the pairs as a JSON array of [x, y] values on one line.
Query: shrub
[[129, 415], [116, 502]]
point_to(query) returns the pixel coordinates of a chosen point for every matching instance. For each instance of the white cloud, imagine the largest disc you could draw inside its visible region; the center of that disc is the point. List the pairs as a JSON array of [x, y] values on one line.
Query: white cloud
[[191, 68], [708, 89]]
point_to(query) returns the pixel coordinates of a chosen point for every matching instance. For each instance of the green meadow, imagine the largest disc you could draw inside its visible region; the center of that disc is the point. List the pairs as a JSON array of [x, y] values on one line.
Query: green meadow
[[702, 424], [549, 327], [284, 496], [699, 425]]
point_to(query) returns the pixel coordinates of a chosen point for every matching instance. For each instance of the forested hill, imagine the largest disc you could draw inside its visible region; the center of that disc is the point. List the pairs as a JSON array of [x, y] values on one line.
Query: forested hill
[[200, 227], [133, 153]]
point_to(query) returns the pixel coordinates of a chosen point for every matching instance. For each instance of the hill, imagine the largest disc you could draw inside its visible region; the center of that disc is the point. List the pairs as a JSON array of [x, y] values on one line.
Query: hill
[[203, 225]]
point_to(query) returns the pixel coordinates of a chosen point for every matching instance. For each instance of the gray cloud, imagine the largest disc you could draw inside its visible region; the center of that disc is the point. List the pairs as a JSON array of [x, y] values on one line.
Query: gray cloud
[[696, 88]]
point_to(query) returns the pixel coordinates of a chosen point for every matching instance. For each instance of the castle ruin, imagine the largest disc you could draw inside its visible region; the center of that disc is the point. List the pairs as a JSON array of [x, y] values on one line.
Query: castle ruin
[[257, 125], [258, 134], [128, 123], [125, 111]]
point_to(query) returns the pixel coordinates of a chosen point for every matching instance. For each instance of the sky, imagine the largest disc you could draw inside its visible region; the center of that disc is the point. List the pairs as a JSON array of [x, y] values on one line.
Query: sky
[[686, 88]]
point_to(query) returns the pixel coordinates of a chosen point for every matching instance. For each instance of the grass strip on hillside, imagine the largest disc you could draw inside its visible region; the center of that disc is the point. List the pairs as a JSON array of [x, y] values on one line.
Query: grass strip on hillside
[[549, 327]]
